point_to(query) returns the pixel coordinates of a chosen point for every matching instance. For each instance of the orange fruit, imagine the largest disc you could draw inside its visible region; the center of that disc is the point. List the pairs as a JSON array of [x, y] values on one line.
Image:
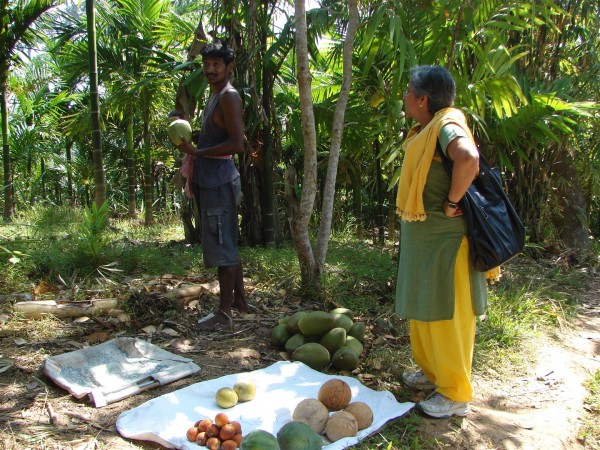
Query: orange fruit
[[221, 419]]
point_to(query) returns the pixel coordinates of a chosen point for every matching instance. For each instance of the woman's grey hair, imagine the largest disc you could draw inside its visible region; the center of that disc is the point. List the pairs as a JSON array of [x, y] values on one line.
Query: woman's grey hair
[[436, 83]]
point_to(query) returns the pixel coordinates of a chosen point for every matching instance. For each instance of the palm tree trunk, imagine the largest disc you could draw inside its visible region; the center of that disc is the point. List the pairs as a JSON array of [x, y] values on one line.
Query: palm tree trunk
[[186, 103], [148, 178], [573, 223], [100, 187], [8, 188], [356, 180], [379, 190], [69, 157], [268, 204], [131, 211]]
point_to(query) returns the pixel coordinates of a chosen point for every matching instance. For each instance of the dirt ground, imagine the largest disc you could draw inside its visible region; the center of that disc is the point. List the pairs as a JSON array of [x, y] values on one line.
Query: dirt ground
[[540, 410]]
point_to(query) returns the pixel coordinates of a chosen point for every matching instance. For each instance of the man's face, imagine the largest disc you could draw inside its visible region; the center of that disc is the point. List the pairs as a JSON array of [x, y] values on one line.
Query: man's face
[[215, 70]]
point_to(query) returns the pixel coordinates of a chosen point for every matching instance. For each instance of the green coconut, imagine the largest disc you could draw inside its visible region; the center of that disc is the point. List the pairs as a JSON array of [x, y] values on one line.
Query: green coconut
[[179, 128]]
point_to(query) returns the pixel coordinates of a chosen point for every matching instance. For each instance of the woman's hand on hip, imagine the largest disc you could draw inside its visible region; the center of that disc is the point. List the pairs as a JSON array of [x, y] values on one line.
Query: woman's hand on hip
[[451, 212]]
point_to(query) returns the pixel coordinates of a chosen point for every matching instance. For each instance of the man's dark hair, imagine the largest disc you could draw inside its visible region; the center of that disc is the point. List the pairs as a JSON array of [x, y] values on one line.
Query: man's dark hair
[[175, 114], [218, 49]]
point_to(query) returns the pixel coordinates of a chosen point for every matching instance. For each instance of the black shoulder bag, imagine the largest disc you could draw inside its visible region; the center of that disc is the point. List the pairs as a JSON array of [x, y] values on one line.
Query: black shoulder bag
[[494, 229]]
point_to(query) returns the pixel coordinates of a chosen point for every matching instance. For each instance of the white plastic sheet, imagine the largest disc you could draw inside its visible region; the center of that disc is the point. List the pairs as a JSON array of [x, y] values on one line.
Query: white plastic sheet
[[279, 388]]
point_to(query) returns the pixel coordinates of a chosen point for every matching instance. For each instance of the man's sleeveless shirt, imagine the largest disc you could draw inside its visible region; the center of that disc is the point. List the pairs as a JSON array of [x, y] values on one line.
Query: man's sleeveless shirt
[[210, 172]]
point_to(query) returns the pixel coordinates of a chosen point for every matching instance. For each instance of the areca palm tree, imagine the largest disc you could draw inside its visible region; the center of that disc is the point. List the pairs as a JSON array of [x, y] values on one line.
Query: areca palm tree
[[36, 137], [15, 22], [137, 63], [134, 61]]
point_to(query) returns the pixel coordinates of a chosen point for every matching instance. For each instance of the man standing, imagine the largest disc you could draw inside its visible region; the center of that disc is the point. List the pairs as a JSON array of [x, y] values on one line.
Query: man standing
[[216, 183]]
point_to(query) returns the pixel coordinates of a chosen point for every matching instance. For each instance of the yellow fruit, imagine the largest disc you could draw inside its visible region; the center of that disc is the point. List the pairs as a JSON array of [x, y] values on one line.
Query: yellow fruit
[[376, 99], [245, 390], [226, 397]]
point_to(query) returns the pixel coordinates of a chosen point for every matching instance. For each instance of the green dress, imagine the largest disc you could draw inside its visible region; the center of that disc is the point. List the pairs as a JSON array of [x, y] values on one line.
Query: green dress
[[425, 284]]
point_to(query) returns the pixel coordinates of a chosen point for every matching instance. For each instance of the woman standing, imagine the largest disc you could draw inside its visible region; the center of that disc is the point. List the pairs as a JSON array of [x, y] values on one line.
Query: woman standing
[[437, 288]]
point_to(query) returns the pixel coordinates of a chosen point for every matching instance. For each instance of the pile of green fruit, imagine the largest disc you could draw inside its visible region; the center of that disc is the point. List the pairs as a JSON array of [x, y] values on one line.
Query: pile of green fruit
[[321, 338]]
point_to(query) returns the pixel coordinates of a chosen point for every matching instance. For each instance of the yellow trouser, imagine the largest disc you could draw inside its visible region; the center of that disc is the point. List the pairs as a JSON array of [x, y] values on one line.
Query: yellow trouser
[[444, 349]]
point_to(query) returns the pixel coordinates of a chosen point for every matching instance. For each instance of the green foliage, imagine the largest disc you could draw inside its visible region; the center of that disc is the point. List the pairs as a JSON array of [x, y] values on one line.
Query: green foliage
[[361, 284], [7, 246], [403, 433], [589, 433], [91, 236], [520, 306]]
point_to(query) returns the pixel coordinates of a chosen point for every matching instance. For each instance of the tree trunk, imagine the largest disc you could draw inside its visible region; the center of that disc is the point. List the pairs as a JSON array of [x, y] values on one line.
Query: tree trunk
[[148, 178], [268, 203], [185, 103], [69, 157], [379, 190], [336, 140], [573, 223], [356, 180], [130, 161], [100, 187], [392, 216], [311, 267], [42, 179], [302, 208], [8, 187]]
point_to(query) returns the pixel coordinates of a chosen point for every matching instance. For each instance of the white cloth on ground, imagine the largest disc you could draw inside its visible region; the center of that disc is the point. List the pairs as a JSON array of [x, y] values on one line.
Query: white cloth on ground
[[279, 388]]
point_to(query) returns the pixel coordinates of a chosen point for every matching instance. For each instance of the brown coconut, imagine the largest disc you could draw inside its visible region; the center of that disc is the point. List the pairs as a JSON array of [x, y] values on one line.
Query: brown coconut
[[335, 394], [362, 412], [313, 413], [340, 425]]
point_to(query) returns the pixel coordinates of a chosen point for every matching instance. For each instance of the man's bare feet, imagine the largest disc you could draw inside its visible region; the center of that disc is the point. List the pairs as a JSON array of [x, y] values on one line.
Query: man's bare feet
[[241, 305]]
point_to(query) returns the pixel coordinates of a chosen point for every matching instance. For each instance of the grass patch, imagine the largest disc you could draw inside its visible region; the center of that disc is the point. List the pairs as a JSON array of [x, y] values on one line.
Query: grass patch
[[403, 433], [524, 304], [359, 276], [44, 329], [589, 433]]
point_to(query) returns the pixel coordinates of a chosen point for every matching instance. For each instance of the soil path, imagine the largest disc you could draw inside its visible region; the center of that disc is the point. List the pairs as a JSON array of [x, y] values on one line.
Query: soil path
[[541, 410]]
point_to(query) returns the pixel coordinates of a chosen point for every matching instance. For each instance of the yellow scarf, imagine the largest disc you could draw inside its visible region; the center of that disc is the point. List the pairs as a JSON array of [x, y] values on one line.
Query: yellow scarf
[[419, 148]]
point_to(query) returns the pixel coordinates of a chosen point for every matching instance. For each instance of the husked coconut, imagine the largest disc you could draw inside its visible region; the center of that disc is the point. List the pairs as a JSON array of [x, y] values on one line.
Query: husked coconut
[[313, 413], [335, 394], [362, 412], [340, 425]]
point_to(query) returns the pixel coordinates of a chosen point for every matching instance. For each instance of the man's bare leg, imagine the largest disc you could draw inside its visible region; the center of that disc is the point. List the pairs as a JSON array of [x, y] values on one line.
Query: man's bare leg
[[222, 318], [239, 301]]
